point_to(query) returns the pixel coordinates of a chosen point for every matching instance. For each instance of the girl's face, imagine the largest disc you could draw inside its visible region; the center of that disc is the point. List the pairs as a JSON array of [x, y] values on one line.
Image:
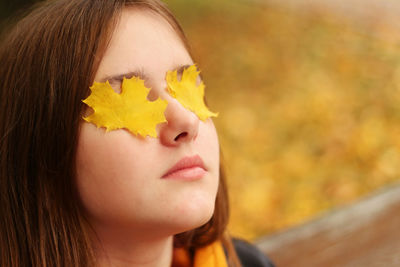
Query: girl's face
[[119, 175]]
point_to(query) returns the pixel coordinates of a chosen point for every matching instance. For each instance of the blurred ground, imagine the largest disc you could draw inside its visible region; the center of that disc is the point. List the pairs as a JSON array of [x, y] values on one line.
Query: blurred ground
[[362, 234]]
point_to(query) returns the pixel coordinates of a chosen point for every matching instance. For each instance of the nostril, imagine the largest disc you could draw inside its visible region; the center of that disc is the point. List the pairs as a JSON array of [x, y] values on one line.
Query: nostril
[[181, 135]]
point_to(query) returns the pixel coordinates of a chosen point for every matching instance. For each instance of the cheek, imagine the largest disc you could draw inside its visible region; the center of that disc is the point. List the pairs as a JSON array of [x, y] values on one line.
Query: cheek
[[107, 169], [102, 154], [207, 142]]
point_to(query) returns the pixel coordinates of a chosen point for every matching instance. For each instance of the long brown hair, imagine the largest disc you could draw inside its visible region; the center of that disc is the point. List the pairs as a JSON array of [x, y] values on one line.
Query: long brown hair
[[47, 63]]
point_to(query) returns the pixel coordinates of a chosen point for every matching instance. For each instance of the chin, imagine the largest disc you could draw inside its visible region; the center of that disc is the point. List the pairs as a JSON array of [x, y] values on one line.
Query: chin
[[194, 217]]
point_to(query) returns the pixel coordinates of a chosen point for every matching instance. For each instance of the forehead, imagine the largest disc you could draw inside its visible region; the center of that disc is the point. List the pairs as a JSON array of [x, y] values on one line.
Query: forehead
[[143, 40]]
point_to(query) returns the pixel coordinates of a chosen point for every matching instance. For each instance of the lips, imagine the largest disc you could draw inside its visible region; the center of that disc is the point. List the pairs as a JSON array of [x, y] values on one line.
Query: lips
[[188, 168]]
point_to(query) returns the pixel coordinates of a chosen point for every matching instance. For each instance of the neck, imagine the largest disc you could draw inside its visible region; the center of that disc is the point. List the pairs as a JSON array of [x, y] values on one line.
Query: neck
[[123, 250]]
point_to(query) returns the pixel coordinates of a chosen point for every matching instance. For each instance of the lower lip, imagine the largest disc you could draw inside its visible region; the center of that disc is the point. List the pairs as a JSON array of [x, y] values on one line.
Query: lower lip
[[188, 174]]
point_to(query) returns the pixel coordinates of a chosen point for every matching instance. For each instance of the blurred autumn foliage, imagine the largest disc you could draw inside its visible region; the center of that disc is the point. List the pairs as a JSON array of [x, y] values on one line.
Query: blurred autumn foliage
[[309, 107]]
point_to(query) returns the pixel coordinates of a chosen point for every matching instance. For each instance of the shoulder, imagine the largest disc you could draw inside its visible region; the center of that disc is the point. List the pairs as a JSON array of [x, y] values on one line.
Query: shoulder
[[249, 255]]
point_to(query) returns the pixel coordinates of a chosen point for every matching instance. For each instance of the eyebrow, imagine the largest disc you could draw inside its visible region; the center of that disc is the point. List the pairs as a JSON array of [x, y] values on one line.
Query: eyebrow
[[138, 73], [119, 77], [180, 69]]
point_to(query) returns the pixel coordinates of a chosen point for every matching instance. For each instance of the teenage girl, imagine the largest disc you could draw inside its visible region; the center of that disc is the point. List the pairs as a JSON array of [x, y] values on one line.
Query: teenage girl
[[74, 194]]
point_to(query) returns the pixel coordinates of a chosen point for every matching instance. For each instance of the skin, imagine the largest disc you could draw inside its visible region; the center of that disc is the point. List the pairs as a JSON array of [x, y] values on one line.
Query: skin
[[133, 210]]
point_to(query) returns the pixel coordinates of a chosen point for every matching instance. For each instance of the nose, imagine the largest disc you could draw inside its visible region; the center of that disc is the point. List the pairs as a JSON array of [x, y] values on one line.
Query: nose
[[182, 125]]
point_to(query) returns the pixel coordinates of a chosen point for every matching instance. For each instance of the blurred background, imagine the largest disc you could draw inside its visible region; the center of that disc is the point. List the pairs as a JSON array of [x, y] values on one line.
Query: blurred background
[[309, 101]]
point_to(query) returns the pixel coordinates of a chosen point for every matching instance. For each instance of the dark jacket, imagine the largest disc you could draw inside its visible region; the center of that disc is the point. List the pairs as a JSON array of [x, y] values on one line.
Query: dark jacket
[[250, 256]]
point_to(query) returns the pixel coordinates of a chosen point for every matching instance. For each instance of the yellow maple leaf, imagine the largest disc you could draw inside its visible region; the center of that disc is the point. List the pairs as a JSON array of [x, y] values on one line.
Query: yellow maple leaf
[[130, 109], [188, 93]]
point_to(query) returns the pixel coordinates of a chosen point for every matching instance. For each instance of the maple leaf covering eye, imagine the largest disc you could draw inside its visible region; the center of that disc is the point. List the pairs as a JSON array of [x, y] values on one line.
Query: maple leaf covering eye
[[188, 92], [130, 109]]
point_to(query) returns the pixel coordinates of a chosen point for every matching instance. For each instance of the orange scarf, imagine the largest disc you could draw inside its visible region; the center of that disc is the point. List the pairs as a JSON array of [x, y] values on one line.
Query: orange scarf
[[210, 256]]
